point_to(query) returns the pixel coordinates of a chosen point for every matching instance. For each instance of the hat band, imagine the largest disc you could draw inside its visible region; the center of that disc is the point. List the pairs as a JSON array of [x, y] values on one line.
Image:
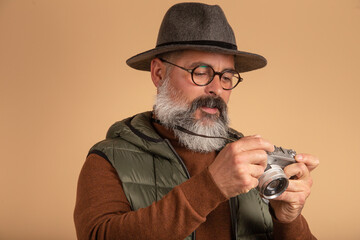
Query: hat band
[[202, 42]]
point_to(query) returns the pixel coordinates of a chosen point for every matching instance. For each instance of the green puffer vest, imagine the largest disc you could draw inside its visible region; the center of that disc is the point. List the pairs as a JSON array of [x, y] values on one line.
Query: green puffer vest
[[149, 168]]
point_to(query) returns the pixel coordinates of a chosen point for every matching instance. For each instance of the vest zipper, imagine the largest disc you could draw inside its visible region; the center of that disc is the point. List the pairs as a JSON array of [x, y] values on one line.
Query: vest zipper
[[178, 158], [193, 234]]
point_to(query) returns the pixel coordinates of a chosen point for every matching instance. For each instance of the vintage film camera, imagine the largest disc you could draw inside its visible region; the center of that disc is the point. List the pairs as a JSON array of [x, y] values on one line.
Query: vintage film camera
[[273, 182]]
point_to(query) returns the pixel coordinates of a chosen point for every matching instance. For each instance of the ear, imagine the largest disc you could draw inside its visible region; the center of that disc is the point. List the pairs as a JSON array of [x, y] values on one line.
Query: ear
[[157, 69]]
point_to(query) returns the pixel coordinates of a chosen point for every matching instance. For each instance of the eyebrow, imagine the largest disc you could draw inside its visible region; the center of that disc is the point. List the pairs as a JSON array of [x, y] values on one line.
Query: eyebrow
[[195, 64]]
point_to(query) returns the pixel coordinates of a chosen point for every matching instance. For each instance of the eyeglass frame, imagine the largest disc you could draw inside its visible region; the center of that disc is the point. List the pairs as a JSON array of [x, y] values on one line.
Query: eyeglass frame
[[191, 71]]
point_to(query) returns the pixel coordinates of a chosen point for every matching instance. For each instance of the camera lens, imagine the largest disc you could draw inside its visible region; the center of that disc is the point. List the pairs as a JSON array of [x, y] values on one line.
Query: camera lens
[[275, 187], [273, 182]]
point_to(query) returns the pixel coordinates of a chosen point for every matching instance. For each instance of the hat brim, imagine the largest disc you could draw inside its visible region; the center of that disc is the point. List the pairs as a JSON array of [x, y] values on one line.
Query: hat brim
[[244, 61]]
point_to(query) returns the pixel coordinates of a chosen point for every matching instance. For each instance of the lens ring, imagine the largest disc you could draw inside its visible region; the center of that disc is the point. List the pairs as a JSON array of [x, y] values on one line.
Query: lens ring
[[202, 78], [272, 183], [233, 80], [275, 187]]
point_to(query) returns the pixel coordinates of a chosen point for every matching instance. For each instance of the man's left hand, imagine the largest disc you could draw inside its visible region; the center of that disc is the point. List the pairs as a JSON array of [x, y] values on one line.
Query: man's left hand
[[287, 207]]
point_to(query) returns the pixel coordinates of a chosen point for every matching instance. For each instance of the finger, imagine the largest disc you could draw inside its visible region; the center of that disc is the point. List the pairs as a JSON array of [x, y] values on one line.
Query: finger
[[256, 171], [293, 197], [251, 164], [246, 181], [298, 170], [300, 185], [309, 160], [258, 157], [250, 184], [255, 142], [296, 189]]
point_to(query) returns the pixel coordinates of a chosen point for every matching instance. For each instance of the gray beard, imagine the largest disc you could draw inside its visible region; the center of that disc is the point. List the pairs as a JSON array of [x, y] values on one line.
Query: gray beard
[[172, 113]]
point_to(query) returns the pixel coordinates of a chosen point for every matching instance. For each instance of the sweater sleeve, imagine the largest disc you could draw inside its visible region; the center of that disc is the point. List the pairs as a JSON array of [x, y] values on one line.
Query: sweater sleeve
[[103, 212], [296, 230]]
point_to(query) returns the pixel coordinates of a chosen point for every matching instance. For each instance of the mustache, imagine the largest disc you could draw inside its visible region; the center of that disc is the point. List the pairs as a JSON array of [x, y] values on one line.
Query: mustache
[[210, 102]]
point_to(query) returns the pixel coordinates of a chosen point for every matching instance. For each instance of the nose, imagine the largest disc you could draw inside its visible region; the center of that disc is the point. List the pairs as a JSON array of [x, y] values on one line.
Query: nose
[[214, 87]]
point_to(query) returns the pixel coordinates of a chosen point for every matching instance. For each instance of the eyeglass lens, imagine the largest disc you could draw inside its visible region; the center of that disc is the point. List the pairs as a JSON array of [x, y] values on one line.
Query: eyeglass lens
[[203, 74]]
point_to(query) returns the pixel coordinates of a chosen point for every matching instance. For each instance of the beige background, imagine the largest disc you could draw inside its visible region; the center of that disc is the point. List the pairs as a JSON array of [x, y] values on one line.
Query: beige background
[[64, 81]]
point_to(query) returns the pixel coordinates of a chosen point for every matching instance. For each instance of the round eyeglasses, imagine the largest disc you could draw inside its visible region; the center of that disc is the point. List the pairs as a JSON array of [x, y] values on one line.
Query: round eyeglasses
[[203, 75]]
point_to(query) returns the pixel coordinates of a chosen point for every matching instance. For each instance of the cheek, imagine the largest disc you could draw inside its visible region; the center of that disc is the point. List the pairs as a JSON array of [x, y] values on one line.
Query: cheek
[[186, 89], [195, 92], [227, 98]]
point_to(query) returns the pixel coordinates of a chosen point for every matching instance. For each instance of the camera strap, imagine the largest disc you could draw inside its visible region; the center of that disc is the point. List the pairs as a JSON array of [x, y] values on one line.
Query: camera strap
[[177, 127]]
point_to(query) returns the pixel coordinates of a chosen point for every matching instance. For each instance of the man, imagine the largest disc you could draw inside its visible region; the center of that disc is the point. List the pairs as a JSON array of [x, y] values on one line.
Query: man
[[179, 172]]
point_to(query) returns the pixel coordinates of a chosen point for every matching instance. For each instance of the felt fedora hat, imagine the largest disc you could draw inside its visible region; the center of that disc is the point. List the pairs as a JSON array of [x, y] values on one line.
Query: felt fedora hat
[[197, 26]]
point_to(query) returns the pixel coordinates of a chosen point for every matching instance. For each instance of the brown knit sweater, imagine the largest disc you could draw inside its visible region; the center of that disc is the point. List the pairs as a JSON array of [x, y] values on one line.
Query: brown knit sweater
[[103, 212]]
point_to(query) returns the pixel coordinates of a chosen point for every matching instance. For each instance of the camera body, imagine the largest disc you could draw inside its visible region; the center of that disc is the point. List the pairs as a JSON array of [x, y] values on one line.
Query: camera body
[[273, 182]]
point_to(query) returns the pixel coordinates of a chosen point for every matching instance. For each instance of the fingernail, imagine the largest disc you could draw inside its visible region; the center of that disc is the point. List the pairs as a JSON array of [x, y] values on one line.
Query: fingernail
[[299, 157]]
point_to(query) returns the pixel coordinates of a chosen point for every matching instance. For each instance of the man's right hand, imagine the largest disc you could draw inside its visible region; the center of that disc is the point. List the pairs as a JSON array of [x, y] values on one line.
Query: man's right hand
[[238, 166]]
